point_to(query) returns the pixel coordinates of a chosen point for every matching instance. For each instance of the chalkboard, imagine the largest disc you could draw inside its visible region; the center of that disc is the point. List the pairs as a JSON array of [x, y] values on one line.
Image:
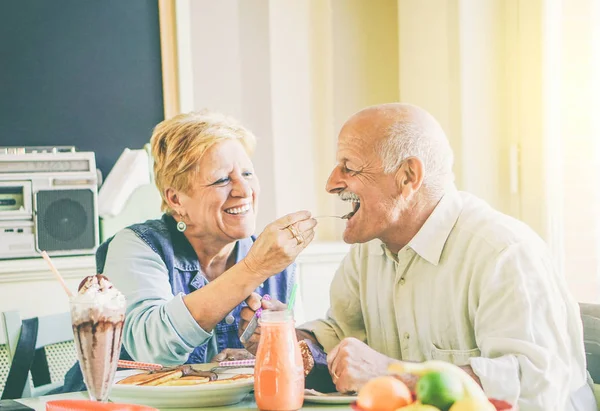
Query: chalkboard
[[80, 72]]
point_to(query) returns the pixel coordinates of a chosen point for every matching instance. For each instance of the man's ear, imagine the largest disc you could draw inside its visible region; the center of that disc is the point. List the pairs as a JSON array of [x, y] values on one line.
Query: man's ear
[[174, 200], [409, 177]]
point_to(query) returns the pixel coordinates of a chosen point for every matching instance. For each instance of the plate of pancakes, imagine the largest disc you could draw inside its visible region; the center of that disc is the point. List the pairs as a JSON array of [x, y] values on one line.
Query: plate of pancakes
[[174, 389]]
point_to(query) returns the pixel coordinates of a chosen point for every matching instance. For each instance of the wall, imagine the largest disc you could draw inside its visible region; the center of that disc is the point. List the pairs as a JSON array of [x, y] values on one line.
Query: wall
[[292, 72], [77, 73], [453, 58]]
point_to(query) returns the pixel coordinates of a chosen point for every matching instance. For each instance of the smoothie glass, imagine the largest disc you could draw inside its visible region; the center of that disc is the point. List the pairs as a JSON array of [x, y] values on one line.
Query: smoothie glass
[[279, 371]]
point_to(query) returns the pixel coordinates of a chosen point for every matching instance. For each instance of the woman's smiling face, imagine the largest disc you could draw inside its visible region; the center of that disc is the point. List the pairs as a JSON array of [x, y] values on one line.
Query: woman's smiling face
[[222, 201]]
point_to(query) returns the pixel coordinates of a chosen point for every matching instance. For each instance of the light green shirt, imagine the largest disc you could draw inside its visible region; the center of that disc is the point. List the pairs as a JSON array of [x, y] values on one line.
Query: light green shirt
[[473, 287]]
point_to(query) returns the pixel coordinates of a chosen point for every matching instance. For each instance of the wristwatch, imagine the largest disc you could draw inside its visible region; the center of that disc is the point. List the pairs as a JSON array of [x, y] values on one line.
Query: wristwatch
[[307, 358]]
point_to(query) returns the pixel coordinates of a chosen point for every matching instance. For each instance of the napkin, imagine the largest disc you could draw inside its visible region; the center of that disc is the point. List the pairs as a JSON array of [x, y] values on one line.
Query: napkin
[[86, 405]]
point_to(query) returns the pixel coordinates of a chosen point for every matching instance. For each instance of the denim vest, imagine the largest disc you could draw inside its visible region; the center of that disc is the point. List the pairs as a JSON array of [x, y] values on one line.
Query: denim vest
[[186, 276]]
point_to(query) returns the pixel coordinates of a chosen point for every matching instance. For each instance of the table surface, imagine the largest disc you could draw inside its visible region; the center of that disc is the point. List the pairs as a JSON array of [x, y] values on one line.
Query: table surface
[[39, 403]]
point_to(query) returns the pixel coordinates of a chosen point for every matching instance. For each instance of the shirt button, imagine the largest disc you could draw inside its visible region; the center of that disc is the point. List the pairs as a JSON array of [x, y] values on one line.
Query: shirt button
[[402, 281], [406, 336], [229, 319]]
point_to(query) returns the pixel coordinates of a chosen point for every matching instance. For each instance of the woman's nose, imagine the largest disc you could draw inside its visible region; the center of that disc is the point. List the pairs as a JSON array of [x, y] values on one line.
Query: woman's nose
[[241, 188], [335, 183]]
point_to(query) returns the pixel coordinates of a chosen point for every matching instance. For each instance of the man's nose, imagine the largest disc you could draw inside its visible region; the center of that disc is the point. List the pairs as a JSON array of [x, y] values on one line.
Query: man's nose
[[335, 183]]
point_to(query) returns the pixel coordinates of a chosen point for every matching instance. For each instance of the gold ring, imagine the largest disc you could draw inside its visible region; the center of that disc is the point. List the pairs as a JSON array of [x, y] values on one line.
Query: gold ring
[[293, 230], [295, 234], [335, 375]]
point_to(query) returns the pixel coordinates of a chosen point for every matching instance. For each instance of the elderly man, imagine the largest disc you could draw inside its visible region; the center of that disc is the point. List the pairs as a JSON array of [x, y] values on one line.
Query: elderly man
[[438, 274]]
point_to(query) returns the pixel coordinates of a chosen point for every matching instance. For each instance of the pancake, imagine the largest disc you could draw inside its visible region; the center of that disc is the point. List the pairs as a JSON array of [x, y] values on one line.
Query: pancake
[[189, 380], [151, 379], [235, 378], [175, 378]]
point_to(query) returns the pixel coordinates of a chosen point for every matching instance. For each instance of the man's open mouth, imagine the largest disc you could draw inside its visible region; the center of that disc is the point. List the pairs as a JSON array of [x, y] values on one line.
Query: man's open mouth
[[355, 207]]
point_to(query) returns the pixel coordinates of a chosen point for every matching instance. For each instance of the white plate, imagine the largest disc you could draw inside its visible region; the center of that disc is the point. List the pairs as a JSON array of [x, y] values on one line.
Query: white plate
[[329, 398], [203, 395]]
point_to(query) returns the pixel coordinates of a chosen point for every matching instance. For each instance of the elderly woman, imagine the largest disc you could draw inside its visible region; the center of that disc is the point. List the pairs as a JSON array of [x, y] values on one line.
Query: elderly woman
[[187, 276]]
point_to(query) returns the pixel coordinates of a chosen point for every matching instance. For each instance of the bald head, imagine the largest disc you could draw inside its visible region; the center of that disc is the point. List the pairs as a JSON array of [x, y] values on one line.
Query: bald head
[[398, 131]]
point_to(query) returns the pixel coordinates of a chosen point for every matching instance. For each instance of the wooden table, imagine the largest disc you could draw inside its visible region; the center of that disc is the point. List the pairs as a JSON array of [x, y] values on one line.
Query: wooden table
[[39, 404]]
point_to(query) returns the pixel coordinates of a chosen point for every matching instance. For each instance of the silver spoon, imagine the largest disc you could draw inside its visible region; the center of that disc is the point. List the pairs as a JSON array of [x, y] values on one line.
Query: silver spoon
[[344, 217]]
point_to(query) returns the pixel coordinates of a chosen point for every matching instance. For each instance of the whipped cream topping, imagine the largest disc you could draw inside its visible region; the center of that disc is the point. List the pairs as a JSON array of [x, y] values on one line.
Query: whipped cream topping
[[97, 300]]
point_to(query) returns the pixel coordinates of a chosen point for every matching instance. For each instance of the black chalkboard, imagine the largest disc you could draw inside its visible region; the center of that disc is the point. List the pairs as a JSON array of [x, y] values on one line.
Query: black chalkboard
[[80, 72]]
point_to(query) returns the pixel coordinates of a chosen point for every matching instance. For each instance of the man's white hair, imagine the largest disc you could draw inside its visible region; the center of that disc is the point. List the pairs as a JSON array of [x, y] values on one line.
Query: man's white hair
[[405, 138]]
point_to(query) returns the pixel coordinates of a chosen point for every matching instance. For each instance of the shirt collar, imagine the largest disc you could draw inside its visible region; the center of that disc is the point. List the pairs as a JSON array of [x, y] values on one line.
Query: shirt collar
[[431, 238]]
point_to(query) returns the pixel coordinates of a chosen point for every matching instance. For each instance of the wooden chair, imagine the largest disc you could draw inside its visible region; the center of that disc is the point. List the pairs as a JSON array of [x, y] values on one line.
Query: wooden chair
[[55, 337]]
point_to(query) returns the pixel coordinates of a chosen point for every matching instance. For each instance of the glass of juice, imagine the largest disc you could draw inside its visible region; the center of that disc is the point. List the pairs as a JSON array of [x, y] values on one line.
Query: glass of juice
[[278, 371]]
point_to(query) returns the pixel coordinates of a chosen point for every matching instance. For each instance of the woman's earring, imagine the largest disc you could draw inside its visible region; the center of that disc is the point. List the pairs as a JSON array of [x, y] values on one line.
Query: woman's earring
[[181, 226]]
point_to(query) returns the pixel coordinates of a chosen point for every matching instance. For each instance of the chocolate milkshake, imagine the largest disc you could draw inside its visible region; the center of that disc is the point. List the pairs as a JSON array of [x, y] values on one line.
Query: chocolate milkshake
[[97, 314]]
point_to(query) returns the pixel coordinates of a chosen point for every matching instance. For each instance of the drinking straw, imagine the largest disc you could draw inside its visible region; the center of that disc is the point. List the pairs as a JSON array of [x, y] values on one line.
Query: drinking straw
[[292, 297], [56, 273]]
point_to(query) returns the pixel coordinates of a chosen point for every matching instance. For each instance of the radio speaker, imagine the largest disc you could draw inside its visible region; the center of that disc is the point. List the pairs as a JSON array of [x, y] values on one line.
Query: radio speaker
[[65, 220]]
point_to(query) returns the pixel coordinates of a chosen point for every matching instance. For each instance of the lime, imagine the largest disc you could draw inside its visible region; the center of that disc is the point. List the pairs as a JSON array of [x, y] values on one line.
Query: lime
[[440, 389]]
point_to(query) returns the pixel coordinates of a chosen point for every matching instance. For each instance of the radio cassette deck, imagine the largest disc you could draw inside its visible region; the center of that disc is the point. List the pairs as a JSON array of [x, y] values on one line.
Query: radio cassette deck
[[48, 201]]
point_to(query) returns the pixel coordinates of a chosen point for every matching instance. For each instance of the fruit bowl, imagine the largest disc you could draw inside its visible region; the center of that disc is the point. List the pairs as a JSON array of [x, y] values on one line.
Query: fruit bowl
[[499, 404]]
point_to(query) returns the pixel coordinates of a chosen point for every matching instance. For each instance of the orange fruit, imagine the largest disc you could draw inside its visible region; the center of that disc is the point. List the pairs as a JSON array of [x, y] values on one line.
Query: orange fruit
[[383, 394]]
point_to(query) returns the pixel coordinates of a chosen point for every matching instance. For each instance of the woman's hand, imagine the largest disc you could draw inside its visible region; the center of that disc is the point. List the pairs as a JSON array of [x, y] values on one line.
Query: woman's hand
[[280, 243], [232, 354], [254, 303]]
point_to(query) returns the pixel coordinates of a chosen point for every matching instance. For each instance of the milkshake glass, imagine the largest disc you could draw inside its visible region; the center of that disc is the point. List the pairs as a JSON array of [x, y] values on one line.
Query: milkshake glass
[[97, 315]]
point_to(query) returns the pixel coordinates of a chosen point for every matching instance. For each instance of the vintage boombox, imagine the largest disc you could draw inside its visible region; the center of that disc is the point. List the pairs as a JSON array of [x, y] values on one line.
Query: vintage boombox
[[48, 201]]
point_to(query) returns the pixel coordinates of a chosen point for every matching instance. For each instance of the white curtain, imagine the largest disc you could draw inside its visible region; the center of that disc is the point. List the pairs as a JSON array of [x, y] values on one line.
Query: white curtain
[[572, 140]]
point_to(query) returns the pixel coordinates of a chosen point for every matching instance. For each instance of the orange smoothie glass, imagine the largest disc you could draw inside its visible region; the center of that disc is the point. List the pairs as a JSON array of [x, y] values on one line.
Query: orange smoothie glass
[[278, 371]]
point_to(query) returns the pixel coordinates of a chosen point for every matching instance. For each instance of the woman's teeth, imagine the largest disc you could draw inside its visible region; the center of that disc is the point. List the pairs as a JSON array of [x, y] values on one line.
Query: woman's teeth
[[238, 210]]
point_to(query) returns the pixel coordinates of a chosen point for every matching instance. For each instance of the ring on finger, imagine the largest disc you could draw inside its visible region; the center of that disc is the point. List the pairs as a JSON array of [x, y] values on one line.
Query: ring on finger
[[295, 234], [293, 230], [335, 375]]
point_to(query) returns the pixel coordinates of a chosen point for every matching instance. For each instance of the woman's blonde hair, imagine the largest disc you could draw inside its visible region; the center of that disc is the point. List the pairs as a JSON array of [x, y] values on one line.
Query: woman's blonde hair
[[179, 142]]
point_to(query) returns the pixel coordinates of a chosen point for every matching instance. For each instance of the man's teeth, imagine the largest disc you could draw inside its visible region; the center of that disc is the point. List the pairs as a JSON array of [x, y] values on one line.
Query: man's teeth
[[238, 210]]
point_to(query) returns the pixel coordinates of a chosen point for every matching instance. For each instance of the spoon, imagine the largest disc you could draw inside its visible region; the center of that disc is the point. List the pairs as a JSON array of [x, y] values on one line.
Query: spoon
[[344, 217]]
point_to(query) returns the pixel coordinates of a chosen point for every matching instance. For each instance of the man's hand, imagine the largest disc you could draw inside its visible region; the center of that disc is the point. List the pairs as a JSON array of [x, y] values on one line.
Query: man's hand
[[254, 303], [352, 363], [232, 354]]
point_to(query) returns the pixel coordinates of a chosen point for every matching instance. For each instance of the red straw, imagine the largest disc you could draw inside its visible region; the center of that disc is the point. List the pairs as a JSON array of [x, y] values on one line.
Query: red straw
[[139, 365]]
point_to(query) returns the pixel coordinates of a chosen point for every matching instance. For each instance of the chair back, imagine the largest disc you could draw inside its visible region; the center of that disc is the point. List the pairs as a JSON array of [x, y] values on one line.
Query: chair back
[[590, 316], [4, 355], [54, 340]]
